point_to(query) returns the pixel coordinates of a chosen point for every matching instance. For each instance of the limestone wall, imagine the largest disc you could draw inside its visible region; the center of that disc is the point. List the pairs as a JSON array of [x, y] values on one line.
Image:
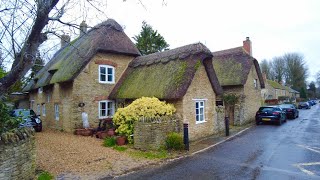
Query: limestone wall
[[17, 155], [199, 89], [151, 135]]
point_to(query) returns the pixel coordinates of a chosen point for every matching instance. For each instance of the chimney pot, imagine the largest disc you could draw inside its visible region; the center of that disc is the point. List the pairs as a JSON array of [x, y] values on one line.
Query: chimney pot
[[83, 28], [65, 39], [247, 46]]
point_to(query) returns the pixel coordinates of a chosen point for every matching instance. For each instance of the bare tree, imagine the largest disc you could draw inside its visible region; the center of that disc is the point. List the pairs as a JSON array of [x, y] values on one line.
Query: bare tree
[[278, 67], [296, 70], [25, 25], [265, 66]]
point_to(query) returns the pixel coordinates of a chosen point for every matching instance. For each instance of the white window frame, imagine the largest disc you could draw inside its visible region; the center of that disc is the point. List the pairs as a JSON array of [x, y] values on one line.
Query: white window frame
[[106, 115], [199, 114], [255, 82], [56, 112], [43, 109], [106, 75], [48, 97], [40, 90], [38, 109]]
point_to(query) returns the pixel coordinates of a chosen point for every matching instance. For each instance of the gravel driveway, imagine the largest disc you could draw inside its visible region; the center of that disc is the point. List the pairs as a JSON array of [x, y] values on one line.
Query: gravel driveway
[[68, 156]]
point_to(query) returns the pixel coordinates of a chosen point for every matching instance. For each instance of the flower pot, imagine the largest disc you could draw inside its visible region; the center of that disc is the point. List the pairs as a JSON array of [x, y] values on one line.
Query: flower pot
[[102, 134], [111, 132], [121, 140]]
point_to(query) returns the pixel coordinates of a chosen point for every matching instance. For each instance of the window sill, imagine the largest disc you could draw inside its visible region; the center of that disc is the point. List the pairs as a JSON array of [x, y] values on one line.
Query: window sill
[[200, 122], [103, 82]]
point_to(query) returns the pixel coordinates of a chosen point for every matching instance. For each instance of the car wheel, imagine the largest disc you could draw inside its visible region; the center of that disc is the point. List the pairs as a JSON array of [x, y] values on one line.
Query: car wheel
[[279, 122]]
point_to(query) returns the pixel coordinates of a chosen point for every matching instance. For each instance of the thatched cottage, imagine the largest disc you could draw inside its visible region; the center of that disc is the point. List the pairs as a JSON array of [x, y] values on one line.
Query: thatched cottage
[[102, 70], [239, 73], [80, 77], [184, 77]]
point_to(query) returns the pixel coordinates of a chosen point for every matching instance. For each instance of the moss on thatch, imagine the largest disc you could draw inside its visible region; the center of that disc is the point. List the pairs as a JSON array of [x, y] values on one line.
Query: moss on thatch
[[165, 75], [229, 72], [233, 66], [275, 84], [158, 80]]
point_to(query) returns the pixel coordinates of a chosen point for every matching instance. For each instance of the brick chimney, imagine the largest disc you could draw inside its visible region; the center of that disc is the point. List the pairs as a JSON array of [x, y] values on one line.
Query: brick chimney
[[247, 46], [83, 28], [65, 39]]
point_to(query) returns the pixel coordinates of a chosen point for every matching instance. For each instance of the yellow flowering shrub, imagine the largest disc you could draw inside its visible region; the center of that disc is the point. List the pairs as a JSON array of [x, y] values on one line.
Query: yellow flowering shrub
[[149, 107]]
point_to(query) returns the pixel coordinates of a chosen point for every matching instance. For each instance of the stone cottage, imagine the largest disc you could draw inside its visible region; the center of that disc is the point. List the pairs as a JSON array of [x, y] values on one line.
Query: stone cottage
[[184, 77], [239, 73], [80, 77]]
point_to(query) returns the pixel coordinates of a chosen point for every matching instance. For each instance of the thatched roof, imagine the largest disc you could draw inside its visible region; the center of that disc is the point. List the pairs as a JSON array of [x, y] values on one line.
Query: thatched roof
[[69, 61], [165, 75], [276, 85], [233, 66]]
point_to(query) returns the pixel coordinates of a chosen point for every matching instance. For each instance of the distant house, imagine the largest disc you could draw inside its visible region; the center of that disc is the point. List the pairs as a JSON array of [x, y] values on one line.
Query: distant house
[[80, 77], [239, 73], [184, 77], [274, 90]]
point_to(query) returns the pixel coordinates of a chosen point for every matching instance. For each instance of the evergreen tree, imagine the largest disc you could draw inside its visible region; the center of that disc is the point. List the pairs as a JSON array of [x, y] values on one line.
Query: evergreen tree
[[150, 41]]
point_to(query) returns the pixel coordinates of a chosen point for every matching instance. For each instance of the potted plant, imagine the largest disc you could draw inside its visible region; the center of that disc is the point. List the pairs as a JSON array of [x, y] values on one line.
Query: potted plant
[[121, 140]]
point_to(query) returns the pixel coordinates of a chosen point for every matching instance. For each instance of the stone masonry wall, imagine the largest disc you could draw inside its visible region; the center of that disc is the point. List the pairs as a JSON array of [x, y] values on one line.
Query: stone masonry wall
[[17, 155], [152, 135], [253, 99], [200, 89], [89, 91]]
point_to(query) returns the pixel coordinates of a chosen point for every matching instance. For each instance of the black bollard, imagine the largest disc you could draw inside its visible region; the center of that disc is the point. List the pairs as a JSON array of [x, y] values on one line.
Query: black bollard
[[186, 136], [226, 121]]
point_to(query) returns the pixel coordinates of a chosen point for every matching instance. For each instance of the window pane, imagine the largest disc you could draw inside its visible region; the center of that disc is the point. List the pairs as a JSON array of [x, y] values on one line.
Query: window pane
[[197, 105], [110, 78], [102, 77], [103, 105], [110, 71], [201, 117], [102, 112], [102, 70], [197, 111], [201, 111], [109, 105], [197, 117]]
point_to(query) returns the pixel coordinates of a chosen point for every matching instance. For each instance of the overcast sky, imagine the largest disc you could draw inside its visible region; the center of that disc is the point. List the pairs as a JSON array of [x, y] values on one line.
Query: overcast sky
[[275, 27]]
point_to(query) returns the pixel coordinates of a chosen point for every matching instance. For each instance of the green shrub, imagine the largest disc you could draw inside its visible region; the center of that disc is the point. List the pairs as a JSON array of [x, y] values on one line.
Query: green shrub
[[109, 142], [162, 154], [7, 122], [146, 107], [174, 141], [45, 176]]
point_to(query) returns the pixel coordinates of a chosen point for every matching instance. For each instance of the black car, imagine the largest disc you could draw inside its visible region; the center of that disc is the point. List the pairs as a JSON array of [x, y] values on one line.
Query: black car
[[270, 114], [29, 117], [305, 105], [291, 110]]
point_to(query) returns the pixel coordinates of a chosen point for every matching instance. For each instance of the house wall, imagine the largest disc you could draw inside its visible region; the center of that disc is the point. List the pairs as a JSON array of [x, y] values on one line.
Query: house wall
[[252, 99], [84, 89], [89, 91], [59, 94], [200, 88], [239, 109]]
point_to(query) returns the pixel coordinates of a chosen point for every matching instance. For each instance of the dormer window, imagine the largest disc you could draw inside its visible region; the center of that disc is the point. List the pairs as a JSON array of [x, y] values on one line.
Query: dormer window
[[106, 74]]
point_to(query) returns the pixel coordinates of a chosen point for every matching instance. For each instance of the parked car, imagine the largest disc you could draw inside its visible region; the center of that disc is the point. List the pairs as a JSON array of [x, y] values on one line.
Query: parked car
[[291, 110], [311, 102], [29, 117], [305, 105], [271, 114]]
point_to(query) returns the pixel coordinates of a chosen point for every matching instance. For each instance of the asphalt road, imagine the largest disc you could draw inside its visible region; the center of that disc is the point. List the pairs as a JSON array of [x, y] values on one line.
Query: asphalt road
[[290, 151]]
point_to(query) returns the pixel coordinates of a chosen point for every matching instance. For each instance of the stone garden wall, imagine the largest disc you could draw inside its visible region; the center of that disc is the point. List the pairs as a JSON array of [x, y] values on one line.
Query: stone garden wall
[[150, 134], [17, 155]]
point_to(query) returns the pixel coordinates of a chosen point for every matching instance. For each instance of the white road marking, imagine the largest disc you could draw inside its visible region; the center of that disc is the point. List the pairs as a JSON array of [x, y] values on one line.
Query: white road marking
[[302, 165]]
